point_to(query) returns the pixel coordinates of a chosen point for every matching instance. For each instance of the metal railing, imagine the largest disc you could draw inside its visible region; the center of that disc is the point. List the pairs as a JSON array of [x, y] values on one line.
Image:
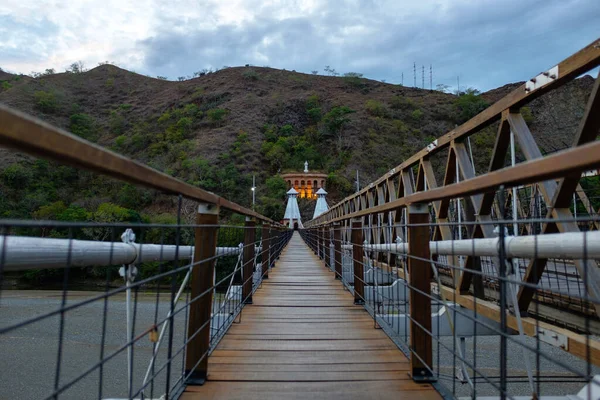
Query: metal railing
[[161, 297], [490, 281]]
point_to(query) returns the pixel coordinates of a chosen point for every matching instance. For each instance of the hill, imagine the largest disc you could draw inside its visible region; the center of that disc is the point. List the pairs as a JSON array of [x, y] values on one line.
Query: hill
[[218, 129]]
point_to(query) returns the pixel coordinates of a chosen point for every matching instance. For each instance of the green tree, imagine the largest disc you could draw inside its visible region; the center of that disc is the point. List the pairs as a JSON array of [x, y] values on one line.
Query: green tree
[[108, 213], [216, 115], [276, 187], [46, 101], [83, 126], [17, 175], [469, 104], [51, 211], [335, 120]]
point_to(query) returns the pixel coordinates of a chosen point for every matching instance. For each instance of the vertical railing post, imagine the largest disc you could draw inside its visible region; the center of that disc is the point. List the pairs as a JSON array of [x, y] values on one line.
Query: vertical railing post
[[323, 243], [357, 259], [337, 249], [205, 242], [318, 239], [327, 247], [266, 250], [419, 268], [248, 260], [276, 237]]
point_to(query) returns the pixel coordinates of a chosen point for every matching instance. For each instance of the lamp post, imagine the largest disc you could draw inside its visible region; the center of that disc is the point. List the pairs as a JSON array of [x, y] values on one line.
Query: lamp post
[[253, 188]]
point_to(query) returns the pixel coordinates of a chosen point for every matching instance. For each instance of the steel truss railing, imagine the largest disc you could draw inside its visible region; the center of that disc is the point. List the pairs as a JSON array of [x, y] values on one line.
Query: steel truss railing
[[515, 263]]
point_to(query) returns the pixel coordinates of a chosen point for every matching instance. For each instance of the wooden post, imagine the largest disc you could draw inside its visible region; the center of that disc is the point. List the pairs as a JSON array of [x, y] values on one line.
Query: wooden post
[[337, 246], [205, 242], [327, 242], [248, 260], [266, 250], [357, 259], [420, 302]]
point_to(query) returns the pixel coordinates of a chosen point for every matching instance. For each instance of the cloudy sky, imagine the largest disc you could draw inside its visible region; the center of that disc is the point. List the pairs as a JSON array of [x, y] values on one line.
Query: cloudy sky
[[486, 43]]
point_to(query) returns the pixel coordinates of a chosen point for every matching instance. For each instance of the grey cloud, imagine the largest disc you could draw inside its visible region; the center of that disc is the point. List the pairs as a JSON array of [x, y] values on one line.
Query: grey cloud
[[25, 41], [487, 43]]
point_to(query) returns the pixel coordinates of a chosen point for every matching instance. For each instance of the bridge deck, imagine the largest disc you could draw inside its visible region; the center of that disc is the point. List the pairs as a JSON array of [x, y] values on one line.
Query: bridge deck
[[304, 338]]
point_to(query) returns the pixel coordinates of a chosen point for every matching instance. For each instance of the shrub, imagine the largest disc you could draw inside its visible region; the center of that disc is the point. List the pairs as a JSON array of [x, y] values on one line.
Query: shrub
[[191, 110], [16, 175], [133, 197], [312, 101], [120, 141], [109, 213], [315, 114], [400, 126], [417, 115], [73, 213], [286, 130], [276, 187], [376, 108], [469, 104], [82, 125], [527, 115], [76, 68], [138, 141], [46, 101], [251, 75], [216, 115], [184, 125], [6, 85], [402, 103], [354, 79], [51, 211], [116, 122], [335, 120]]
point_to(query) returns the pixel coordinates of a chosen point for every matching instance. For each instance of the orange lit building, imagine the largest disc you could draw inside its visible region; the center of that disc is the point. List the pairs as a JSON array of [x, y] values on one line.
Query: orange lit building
[[305, 183]]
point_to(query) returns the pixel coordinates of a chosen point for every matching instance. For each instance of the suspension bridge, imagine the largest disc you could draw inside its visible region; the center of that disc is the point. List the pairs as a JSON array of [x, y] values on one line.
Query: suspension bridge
[[434, 281]]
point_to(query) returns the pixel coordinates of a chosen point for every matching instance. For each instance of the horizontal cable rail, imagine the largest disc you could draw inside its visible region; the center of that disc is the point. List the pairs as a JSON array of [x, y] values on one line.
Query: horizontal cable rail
[[21, 253], [156, 327], [135, 318], [558, 245], [380, 279]]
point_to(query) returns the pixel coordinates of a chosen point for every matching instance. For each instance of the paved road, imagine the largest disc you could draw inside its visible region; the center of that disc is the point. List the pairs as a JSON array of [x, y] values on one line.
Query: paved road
[[29, 354]]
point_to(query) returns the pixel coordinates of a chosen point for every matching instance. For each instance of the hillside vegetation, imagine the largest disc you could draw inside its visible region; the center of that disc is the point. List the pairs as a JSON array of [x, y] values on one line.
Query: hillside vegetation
[[217, 130]]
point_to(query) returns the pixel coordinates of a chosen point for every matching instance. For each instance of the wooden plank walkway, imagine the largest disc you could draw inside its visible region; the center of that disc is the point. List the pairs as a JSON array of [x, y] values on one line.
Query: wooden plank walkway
[[304, 338]]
